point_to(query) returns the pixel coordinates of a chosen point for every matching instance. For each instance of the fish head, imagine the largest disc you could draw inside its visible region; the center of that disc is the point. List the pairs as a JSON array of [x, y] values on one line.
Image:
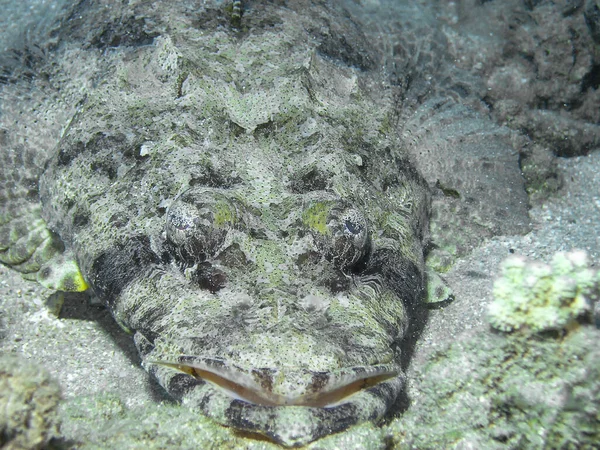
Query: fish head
[[270, 312], [262, 237]]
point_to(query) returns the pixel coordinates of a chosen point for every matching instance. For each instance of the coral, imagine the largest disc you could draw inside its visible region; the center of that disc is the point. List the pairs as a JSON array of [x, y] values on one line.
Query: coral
[[28, 405], [505, 392], [541, 297]]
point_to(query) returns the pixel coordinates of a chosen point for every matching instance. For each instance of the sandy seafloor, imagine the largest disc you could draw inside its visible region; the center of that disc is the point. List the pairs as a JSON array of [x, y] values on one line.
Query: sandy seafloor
[[91, 357]]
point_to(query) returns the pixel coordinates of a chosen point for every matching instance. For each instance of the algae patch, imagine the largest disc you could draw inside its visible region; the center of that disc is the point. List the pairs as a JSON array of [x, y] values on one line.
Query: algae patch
[[543, 297]]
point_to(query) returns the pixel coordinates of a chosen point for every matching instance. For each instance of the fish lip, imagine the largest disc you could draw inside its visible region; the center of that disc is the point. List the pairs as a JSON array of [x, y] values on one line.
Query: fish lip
[[295, 426], [255, 385]]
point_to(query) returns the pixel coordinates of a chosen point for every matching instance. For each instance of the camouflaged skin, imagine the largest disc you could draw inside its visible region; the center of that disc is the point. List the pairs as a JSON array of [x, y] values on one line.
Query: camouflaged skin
[[240, 195], [233, 198]]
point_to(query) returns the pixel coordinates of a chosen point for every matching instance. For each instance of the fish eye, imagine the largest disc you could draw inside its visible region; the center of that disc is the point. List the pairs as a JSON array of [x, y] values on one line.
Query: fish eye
[[349, 236], [198, 221], [340, 231]]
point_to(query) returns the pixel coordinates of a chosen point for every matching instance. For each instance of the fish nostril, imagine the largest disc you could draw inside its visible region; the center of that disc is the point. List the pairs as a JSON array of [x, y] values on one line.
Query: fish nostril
[[210, 278]]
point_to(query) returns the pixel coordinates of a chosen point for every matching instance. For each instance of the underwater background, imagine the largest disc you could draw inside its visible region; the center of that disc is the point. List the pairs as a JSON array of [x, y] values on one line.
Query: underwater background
[[512, 362]]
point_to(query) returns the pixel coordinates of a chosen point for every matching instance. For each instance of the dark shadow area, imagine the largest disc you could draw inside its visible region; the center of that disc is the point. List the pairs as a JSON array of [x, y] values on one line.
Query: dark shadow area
[[80, 306], [419, 315]]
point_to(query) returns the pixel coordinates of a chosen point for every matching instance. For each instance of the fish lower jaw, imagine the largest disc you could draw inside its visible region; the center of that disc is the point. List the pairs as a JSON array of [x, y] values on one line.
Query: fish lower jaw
[[294, 425]]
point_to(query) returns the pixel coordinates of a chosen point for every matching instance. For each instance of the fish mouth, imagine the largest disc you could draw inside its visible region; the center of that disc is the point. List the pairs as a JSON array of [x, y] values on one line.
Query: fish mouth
[[276, 387]]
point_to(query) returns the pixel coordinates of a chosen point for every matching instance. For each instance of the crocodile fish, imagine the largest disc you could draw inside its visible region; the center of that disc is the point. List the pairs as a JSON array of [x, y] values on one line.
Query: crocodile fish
[[230, 182]]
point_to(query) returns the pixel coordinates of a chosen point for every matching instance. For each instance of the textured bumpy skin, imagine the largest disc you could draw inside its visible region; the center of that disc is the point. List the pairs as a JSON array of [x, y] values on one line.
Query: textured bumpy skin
[[232, 198], [236, 191]]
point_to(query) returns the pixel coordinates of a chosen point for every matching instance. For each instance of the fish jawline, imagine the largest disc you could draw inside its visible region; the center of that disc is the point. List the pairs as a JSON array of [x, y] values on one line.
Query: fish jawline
[[239, 384]]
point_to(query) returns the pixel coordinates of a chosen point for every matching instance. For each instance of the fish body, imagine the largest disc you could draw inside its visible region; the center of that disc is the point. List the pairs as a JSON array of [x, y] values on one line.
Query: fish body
[[226, 198]]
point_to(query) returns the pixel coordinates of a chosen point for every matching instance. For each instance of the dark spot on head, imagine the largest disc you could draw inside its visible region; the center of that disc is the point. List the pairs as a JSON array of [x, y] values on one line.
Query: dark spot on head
[[359, 371], [211, 18], [476, 274], [257, 233], [100, 142], [210, 278], [117, 266], [238, 416], [68, 153], [461, 89], [129, 31], [69, 203], [207, 175], [342, 40], [69, 284], [135, 152], [338, 282], [264, 377], [144, 341], [265, 129], [309, 257], [446, 190], [592, 19], [118, 220], [439, 292], [318, 382], [81, 219], [32, 188], [104, 167], [233, 256], [332, 420], [235, 129], [312, 180], [591, 80], [352, 227], [181, 383]]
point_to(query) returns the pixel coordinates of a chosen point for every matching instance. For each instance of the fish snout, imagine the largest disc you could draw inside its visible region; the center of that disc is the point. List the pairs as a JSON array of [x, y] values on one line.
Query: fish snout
[[291, 406]]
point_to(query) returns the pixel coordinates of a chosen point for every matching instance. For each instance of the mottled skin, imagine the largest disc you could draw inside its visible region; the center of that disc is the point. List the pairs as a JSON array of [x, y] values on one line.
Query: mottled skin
[[238, 196], [237, 200]]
